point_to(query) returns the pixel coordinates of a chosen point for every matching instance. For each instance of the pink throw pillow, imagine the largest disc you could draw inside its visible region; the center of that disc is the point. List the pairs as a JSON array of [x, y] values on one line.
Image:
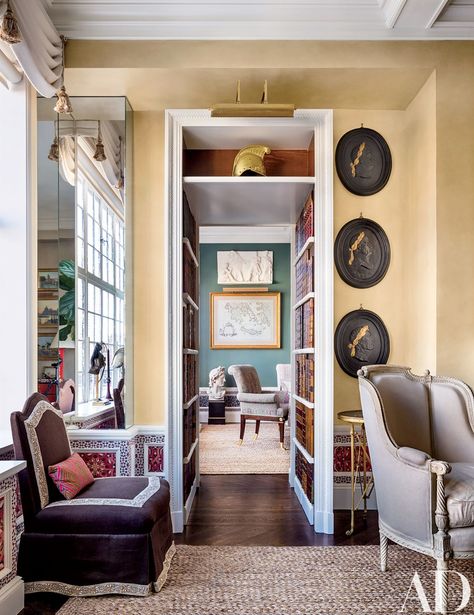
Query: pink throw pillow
[[71, 475]]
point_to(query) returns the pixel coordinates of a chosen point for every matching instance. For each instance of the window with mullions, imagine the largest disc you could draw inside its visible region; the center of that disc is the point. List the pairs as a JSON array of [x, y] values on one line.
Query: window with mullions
[[101, 279]]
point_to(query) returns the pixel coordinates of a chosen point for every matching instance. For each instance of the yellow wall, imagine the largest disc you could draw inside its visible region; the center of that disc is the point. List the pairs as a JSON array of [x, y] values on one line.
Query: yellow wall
[[384, 208], [418, 246], [406, 209], [428, 216]]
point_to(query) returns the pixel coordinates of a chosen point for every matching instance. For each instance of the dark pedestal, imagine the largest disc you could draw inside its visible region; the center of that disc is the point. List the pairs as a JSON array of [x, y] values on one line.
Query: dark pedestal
[[216, 412]]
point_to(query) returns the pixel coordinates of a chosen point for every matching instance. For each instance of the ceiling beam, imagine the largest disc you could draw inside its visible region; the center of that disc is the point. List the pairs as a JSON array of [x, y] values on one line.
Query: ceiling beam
[[391, 10], [420, 15]]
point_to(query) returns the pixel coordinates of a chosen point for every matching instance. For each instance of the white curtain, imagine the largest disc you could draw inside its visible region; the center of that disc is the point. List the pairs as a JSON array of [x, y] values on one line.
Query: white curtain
[[39, 55], [86, 133]]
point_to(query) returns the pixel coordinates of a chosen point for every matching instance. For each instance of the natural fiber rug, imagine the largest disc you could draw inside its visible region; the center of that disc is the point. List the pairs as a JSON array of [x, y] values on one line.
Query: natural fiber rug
[[219, 452], [280, 581]]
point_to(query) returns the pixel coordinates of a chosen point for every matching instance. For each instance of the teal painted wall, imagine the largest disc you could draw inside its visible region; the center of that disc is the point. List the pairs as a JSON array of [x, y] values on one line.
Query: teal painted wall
[[264, 360]]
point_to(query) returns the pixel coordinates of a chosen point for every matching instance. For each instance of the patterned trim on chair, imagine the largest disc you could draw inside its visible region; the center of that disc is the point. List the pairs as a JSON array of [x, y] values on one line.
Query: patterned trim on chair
[[131, 589], [158, 584], [31, 424], [136, 502]]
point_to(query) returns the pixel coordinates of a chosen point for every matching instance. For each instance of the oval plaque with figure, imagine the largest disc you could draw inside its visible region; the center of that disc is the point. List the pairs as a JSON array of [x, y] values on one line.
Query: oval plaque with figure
[[361, 338], [363, 161], [362, 253]]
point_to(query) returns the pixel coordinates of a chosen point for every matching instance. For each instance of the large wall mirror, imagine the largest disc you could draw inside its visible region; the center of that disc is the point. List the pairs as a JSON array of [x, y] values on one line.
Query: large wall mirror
[[84, 296]]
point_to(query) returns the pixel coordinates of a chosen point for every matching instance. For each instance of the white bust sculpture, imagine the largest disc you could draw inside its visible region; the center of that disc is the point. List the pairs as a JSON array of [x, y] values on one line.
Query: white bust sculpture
[[216, 383]]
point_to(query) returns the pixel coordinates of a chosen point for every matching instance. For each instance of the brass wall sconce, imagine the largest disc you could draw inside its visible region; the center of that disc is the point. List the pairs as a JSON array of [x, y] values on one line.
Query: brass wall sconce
[[262, 109]]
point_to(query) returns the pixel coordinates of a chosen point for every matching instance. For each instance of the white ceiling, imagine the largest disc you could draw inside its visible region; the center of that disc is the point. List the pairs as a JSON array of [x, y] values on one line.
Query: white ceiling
[[264, 19]]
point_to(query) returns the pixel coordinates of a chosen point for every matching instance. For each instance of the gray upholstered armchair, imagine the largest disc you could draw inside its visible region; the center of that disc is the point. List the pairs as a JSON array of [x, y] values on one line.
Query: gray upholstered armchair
[[420, 432], [257, 405]]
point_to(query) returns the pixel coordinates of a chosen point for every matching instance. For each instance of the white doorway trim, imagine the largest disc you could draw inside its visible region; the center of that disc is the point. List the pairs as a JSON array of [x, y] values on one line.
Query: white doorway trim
[[319, 120]]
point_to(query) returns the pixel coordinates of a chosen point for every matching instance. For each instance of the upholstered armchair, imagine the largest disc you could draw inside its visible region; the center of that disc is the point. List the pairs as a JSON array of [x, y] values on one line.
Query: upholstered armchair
[[114, 536], [420, 432], [256, 405]]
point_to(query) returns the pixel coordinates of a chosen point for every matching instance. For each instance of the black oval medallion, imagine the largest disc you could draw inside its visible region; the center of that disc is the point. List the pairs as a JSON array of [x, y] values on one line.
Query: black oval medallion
[[361, 338], [362, 253], [363, 161]]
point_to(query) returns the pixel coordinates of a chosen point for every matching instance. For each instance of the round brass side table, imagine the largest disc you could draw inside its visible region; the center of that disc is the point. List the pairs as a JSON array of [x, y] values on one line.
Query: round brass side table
[[358, 440]]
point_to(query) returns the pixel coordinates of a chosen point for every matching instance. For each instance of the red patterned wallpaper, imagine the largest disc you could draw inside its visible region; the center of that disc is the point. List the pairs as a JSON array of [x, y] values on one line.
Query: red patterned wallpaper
[[102, 464], [155, 459]]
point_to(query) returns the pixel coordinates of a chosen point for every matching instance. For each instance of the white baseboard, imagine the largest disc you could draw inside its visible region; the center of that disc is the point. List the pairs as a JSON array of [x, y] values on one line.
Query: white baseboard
[[12, 597], [343, 499], [189, 501], [177, 520], [323, 522]]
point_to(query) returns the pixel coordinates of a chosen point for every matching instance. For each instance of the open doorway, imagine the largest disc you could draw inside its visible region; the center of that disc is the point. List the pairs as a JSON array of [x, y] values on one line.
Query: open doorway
[[242, 299], [203, 193]]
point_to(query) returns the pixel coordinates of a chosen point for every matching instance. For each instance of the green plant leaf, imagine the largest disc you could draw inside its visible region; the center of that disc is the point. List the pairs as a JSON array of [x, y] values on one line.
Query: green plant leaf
[[67, 305], [65, 331], [67, 274]]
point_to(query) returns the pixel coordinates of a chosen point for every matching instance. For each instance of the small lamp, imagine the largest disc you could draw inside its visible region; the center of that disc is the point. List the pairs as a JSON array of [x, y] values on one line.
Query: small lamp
[[99, 154], [54, 150]]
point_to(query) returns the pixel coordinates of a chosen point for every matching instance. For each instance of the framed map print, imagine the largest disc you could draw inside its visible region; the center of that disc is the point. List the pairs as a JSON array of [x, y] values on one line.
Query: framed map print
[[240, 320]]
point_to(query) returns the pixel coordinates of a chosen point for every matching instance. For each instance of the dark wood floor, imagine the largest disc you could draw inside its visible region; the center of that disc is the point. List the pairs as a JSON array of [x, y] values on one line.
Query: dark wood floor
[[262, 510], [245, 510]]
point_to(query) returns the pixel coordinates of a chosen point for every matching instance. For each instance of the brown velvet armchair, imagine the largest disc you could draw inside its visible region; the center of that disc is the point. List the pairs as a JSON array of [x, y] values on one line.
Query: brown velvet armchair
[[420, 432], [115, 536]]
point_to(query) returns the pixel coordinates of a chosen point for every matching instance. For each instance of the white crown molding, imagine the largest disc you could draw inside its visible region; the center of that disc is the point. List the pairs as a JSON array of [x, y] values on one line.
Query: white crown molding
[[245, 234], [261, 20], [392, 10]]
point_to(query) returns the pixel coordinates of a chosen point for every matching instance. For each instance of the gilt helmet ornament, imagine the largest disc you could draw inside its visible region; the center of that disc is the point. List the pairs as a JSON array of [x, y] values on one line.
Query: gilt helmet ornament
[[249, 160]]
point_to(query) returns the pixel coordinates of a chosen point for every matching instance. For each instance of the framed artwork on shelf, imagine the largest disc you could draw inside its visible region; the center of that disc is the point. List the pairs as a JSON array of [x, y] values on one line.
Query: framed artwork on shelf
[[363, 161], [48, 313], [245, 320], [361, 338], [48, 280], [46, 351], [362, 253]]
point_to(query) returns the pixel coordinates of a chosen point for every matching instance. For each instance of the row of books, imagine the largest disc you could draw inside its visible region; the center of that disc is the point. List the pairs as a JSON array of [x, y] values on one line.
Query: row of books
[[189, 327], [304, 274], [190, 387], [305, 474], [189, 224], [305, 224], [189, 427], [304, 428], [189, 275], [304, 375], [304, 325]]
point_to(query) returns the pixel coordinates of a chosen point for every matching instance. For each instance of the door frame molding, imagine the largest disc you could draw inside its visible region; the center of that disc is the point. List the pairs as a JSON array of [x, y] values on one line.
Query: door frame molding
[[321, 121]]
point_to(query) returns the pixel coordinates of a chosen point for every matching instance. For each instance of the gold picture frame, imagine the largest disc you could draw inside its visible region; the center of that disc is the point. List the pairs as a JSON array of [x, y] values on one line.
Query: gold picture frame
[[245, 320]]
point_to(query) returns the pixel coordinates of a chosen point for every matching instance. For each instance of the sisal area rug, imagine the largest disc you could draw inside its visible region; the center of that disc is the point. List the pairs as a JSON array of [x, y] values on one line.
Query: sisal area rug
[[219, 452], [280, 581]]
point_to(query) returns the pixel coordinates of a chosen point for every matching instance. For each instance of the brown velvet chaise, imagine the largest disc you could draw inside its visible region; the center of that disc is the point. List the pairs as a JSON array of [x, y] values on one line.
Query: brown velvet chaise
[[115, 536]]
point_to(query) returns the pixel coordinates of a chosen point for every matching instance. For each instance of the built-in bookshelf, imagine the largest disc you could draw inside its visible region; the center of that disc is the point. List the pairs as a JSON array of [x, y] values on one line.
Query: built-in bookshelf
[[190, 330], [304, 355]]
